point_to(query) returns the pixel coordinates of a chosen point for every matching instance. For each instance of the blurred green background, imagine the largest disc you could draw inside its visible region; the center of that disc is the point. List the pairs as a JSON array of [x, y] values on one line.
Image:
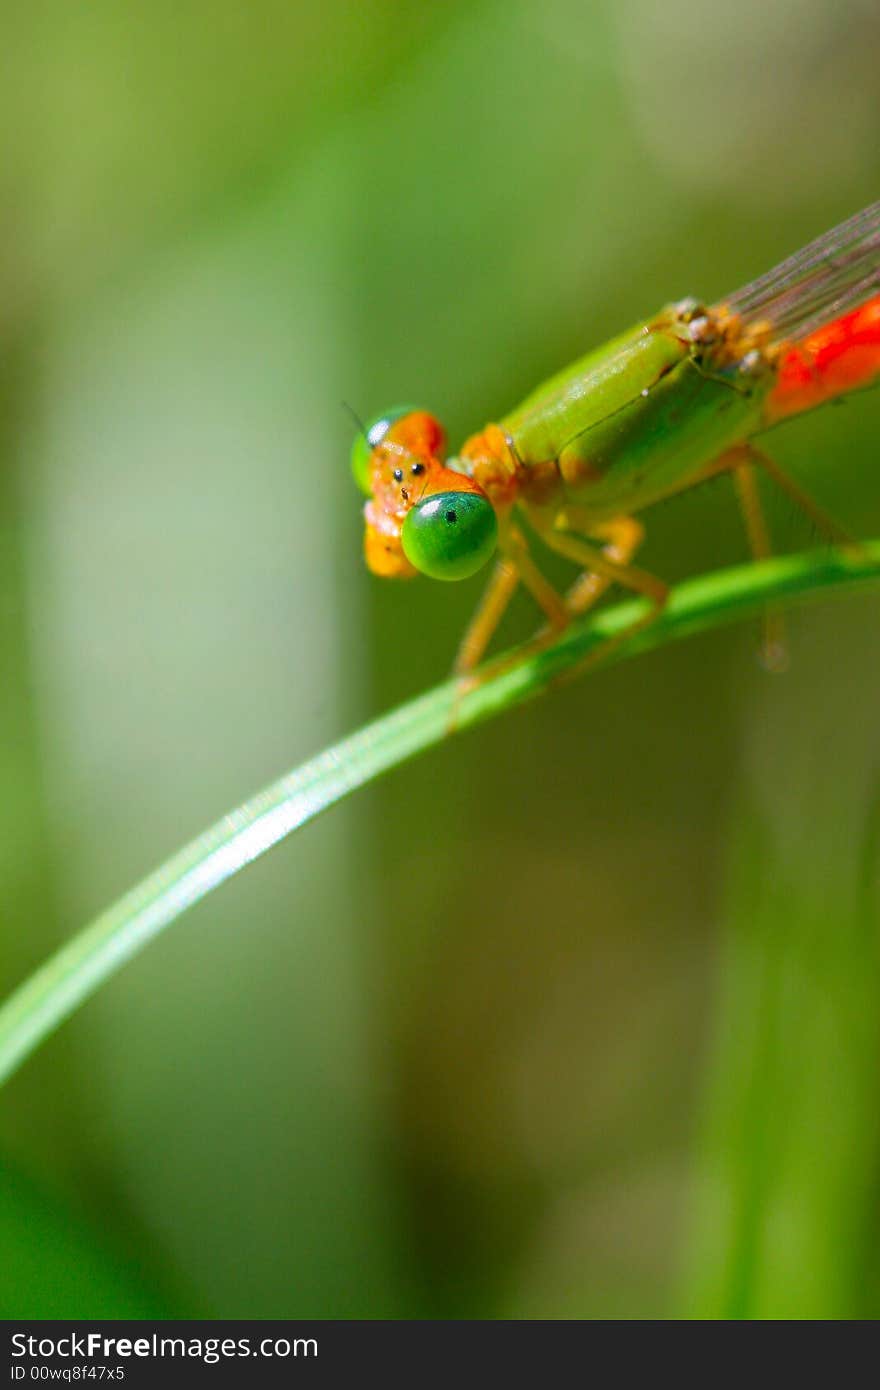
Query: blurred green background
[[579, 1015]]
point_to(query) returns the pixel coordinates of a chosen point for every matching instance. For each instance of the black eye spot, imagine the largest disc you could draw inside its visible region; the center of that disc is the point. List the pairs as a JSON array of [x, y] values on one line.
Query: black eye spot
[[398, 475], [451, 517], [417, 468]]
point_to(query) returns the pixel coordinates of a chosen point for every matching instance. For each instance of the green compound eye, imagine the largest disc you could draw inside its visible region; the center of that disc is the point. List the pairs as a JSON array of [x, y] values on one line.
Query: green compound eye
[[450, 535], [365, 444]]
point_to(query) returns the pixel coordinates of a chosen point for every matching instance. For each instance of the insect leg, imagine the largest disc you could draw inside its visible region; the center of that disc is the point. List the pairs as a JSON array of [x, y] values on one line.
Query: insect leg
[[593, 559], [515, 566], [623, 536], [774, 656], [478, 634], [824, 523]]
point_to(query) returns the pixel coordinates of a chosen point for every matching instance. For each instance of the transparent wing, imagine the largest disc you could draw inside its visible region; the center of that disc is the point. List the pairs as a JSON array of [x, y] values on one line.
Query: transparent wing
[[835, 273]]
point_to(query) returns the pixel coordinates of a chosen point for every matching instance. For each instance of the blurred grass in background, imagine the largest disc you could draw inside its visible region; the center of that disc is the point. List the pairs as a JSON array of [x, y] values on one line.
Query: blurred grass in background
[[578, 1015]]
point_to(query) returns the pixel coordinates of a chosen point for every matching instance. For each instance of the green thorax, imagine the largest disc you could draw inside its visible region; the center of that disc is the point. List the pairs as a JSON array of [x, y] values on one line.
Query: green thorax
[[639, 418]]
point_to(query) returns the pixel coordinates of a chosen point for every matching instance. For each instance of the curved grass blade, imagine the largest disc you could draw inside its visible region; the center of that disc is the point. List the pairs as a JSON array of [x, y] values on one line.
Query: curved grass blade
[[76, 971]]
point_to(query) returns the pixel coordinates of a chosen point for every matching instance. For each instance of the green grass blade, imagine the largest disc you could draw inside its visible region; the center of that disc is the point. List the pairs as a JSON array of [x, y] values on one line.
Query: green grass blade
[[784, 1220], [57, 988]]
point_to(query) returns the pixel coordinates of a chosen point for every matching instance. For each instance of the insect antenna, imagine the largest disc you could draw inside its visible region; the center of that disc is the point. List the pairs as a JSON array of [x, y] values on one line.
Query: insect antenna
[[362, 429]]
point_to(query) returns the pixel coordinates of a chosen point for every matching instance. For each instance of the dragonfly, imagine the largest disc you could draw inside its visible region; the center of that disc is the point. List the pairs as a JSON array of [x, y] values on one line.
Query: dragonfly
[[672, 402]]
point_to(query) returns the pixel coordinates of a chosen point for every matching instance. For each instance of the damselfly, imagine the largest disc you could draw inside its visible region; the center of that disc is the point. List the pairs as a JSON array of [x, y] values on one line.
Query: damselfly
[[668, 404]]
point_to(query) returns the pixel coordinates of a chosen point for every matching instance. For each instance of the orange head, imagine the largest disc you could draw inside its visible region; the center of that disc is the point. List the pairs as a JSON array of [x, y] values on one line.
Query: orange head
[[421, 517]]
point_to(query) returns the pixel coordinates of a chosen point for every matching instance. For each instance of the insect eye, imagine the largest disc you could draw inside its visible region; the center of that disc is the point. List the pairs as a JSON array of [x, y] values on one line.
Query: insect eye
[[372, 437], [450, 535]]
